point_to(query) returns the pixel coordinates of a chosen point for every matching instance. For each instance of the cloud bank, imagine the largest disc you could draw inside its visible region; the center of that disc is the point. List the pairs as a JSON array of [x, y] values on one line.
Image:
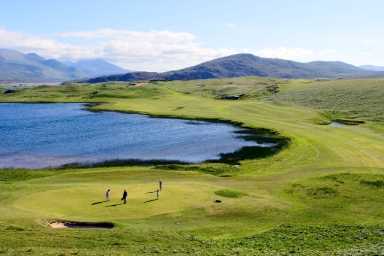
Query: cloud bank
[[152, 51], [136, 50]]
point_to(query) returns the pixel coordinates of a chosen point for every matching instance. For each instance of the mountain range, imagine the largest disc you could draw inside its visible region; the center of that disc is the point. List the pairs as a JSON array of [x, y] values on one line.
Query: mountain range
[[249, 65], [19, 67]]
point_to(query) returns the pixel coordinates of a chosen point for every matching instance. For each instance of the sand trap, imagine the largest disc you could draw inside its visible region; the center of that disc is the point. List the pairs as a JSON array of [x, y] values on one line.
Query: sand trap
[[336, 124], [57, 225], [345, 122], [61, 224]]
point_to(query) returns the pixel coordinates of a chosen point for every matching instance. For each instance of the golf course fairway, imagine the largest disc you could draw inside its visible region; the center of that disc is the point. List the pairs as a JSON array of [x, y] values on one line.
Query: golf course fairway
[[323, 194]]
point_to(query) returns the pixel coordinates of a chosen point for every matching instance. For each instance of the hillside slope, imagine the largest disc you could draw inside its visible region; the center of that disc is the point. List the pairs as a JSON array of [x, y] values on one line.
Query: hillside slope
[[250, 65], [372, 68], [240, 65]]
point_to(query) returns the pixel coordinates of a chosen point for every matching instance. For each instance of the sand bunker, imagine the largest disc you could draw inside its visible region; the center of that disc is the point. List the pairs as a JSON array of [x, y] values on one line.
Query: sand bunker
[[61, 224]]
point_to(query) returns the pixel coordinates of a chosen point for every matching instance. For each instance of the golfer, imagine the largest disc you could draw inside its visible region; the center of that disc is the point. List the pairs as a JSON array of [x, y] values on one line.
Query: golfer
[[160, 185], [107, 194], [125, 196]]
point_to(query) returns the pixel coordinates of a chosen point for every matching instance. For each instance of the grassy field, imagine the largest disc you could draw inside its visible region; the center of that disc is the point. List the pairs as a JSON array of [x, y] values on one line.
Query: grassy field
[[323, 195]]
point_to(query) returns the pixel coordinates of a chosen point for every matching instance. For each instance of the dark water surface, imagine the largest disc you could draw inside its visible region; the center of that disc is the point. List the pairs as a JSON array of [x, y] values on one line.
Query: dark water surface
[[43, 135]]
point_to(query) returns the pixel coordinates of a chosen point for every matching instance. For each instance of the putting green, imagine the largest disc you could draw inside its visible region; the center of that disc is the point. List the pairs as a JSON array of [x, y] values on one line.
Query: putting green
[[85, 201]]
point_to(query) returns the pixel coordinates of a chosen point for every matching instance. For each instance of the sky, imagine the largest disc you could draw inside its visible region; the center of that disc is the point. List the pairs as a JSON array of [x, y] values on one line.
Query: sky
[[160, 35]]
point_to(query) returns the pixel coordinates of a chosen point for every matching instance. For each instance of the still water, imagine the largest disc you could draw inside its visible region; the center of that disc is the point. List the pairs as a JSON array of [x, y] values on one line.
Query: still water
[[44, 135]]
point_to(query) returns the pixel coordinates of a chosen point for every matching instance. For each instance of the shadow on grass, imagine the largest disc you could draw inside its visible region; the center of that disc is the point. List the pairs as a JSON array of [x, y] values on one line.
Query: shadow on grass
[[101, 202], [114, 205], [150, 201]]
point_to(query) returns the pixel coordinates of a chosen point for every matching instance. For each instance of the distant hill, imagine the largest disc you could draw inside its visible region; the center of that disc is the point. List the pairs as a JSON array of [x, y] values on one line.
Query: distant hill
[[97, 67], [249, 65], [133, 76], [19, 67], [372, 68]]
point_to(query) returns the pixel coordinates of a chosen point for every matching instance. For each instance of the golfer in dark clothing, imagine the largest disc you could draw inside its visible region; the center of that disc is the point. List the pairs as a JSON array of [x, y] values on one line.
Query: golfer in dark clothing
[[160, 185], [125, 196]]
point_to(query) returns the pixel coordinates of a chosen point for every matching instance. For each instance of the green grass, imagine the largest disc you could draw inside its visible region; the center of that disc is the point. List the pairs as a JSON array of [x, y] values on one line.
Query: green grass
[[321, 195]]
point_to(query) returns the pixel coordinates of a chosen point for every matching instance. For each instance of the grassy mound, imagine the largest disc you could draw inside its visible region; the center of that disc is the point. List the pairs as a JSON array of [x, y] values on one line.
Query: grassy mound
[[229, 193]]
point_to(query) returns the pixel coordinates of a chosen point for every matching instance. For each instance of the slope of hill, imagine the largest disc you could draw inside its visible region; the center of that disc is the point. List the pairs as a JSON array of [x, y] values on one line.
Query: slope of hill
[[134, 76], [18, 67], [249, 65], [372, 68]]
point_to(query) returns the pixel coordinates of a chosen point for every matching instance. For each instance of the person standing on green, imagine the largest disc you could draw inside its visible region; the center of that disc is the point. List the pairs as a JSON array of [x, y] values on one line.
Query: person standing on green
[[107, 194], [125, 196], [160, 185]]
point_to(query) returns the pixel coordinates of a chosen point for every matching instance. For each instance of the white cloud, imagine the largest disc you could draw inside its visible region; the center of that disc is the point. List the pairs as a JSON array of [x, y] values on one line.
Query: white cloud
[[44, 46], [153, 50], [150, 51]]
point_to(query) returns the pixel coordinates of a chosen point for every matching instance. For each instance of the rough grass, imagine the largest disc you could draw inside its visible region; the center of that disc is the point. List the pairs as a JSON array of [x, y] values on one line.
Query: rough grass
[[12, 175], [322, 195], [353, 99]]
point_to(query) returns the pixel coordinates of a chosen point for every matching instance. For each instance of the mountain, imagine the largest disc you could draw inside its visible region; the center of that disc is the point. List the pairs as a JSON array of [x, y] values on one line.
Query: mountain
[[249, 65], [19, 67], [97, 67], [372, 68]]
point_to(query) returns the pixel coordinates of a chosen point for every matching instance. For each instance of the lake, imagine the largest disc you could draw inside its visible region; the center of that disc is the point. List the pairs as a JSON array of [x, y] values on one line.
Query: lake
[[52, 135]]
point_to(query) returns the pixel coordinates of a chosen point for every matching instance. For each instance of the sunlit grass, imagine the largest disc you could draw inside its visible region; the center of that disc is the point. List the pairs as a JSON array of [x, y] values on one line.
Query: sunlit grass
[[321, 194]]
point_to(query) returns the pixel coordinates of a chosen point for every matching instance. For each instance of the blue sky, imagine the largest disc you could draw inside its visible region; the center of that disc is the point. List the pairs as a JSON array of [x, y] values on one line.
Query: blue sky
[[168, 34]]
